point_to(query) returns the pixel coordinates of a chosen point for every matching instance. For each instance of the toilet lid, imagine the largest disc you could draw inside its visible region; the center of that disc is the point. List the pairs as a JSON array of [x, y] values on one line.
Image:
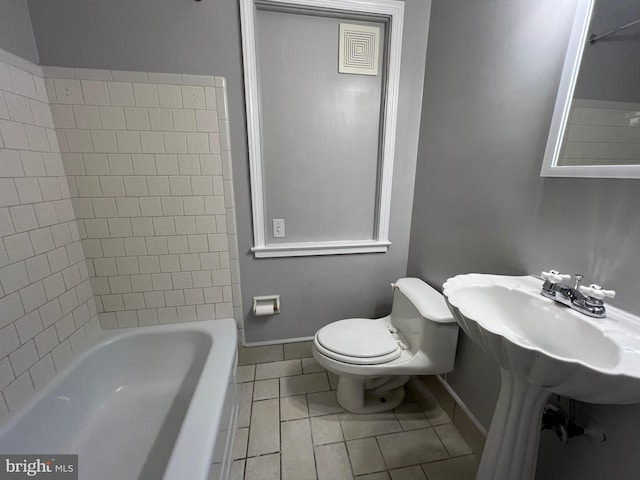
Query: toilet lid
[[359, 338]]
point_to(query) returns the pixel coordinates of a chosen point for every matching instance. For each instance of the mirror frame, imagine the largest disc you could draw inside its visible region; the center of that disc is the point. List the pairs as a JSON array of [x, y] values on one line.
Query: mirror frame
[[550, 168]]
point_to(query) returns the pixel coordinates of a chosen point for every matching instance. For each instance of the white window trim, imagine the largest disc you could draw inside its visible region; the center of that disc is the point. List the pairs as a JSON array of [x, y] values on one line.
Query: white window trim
[[392, 10]]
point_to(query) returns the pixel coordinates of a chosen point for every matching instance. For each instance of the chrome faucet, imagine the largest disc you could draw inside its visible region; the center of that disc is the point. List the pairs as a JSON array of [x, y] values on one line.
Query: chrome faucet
[[583, 299]]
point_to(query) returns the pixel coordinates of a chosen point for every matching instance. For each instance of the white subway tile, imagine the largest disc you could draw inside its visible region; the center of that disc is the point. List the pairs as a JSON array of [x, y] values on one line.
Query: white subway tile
[[129, 142], [193, 97], [128, 76], [184, 120], [13, 277], [143, 164], [104, 207], [150, 207], [14, 135], [121, 94], [158, 185], [42, 371], [79, 141], [104, 141], [119, 227], [206, 121], [152, 142], [87, 117], [94, 92], [170, 96], [175, 142], [160, 119], [149, 264], [112, 118], [41, 240], [112, 186], [146, 95], [137, 118], [68, 91], [22, 358], [113, 247], [172, 206], [198, 142], [19, 391], [142, 227], [128, 207], [18, 108], [185, 225], [23, 217], [33, 297], [133, 301], [46, 341], [18, 247]]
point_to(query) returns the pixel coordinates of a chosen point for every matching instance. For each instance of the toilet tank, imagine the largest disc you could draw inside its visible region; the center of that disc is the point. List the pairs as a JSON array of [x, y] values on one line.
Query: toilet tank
[[421, 316]]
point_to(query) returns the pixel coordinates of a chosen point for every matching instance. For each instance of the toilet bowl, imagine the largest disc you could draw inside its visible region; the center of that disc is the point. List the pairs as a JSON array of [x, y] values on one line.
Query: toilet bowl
[[374, 358]]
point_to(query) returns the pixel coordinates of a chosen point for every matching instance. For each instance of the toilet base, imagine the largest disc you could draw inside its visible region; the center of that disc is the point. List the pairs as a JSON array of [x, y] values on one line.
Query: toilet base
[[355, 395]]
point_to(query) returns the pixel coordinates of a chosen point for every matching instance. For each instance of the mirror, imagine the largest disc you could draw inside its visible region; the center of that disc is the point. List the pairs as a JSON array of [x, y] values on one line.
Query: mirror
[[595, 130]]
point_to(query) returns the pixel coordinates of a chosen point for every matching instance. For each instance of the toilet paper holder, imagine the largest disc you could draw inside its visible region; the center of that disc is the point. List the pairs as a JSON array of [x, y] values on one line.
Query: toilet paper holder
[[266, 305]]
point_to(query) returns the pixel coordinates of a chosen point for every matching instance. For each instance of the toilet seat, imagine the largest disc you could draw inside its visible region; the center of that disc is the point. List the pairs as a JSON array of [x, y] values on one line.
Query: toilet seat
[[358, 341]]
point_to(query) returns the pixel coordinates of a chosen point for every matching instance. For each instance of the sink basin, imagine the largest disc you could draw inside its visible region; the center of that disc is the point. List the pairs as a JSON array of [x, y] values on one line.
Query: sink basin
[[548, 344], [542, 348]]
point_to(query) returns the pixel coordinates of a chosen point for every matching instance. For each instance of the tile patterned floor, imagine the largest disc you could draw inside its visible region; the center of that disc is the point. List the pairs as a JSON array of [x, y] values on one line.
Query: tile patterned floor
[[291, 427]]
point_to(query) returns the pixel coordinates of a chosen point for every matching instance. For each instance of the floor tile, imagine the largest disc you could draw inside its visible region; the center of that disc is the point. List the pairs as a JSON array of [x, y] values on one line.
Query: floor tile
[[266, 467], [252, 355], [460, 468], [285, 368], [365, 456], [411, 416], [453, 441], [367, 425], [374, 476], [246, 373], [292, 408], [240, 443], [265, 389], [326, 429], [410, 473], [434, 412], [314, 382], [264, 434], [411, 448], [297, 350], [332, 462], [323, 403], [246, 399], [297, 451], [309, 365], [237, 470]]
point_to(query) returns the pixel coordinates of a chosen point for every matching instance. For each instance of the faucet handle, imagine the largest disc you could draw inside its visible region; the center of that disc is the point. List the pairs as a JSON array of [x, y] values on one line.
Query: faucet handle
[[554, 276], [596, 291]]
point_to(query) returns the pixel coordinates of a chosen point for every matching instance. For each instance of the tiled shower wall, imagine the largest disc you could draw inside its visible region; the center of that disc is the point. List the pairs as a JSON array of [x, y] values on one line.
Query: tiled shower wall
[[602, 133], [47, 311], [149, 168]]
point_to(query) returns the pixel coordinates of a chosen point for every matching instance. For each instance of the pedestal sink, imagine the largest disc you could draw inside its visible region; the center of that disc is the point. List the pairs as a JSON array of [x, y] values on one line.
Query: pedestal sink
[[542, 348]]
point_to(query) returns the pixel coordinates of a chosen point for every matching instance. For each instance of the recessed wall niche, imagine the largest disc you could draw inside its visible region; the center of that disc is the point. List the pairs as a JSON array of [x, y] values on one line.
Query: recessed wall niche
[[321, 137]]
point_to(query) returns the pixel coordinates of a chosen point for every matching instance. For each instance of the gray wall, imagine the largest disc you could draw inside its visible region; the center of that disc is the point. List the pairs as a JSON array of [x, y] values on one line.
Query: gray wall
[[320, 130], [16, 34], [610, 69], [204, 37], [493, 68]]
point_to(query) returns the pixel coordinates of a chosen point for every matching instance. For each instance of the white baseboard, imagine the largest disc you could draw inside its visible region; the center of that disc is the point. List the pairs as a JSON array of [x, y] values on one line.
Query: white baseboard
[[462, 405], [278, 342]]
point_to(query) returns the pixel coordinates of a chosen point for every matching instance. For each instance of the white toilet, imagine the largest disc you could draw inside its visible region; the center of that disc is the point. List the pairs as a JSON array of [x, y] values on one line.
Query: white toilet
[[374, 358]]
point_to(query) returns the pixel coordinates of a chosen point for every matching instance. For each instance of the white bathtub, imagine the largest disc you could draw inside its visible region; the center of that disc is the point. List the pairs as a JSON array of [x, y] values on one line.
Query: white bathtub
[[147, 404]]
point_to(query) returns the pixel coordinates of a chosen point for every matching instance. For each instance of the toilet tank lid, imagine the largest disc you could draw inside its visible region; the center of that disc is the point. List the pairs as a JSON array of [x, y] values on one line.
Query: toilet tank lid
[[427, 300]]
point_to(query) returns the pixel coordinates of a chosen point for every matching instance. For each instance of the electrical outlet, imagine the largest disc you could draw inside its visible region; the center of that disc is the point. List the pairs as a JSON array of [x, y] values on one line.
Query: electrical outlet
[[278, 227]]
